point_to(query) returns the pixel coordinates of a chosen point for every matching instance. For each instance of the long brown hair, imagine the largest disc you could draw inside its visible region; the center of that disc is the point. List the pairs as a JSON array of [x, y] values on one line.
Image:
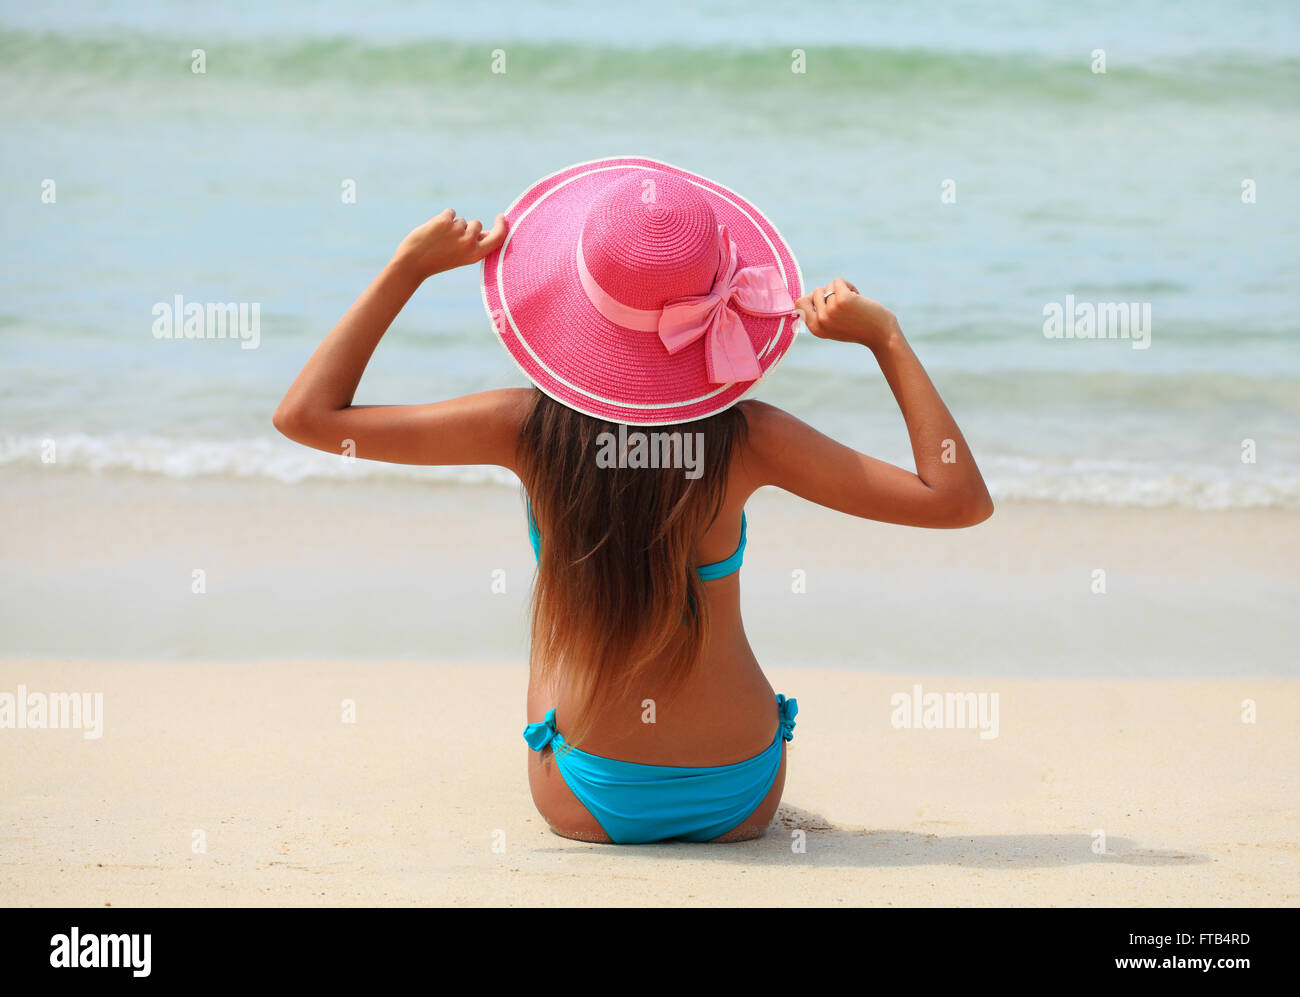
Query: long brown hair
[[616, 590]]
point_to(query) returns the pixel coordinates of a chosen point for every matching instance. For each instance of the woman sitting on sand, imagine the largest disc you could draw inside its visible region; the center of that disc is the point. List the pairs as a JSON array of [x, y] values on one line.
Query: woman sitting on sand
[[643, 302]]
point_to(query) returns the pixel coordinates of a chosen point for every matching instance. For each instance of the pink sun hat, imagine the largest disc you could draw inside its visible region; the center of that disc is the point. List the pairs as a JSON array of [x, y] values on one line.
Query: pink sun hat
[[641, 293]]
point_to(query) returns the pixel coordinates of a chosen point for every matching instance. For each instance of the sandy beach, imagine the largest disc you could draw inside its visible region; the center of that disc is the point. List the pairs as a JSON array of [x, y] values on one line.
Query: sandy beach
[[1123, 771], [423, 799]]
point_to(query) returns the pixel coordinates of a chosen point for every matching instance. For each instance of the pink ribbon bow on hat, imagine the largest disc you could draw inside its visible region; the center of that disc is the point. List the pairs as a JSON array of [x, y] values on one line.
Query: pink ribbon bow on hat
[[728, 352]]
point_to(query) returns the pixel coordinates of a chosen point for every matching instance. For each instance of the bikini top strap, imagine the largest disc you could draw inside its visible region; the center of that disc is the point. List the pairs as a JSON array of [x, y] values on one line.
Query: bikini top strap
[[534, 535], [730, 565]]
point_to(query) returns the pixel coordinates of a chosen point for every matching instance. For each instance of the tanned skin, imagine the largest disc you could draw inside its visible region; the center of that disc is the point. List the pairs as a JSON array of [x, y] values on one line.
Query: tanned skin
[[726, 712]]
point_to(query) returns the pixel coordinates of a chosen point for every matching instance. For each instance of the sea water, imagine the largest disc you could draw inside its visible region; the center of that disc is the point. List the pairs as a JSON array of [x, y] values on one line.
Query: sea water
[[967, 165]]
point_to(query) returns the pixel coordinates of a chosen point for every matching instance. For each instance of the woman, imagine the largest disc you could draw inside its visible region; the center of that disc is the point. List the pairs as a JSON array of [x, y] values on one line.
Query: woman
[[643, 302]]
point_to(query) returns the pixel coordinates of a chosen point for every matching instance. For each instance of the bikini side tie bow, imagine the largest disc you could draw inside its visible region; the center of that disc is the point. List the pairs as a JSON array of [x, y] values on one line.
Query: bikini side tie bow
[[539, 735], [789, 708]]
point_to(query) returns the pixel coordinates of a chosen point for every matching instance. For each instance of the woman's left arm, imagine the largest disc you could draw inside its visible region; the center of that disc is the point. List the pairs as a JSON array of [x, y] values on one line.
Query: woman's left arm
[[317, 410]]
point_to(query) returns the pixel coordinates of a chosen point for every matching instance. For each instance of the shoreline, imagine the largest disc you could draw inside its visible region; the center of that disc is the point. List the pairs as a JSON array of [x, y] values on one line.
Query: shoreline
[[357, 571]]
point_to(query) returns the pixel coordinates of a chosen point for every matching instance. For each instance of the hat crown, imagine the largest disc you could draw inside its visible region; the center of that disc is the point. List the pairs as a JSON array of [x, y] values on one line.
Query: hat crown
[[649, 238]]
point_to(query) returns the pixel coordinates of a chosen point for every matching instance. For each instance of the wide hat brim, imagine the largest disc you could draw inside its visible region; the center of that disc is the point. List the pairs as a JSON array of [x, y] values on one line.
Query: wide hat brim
[[534, 298]]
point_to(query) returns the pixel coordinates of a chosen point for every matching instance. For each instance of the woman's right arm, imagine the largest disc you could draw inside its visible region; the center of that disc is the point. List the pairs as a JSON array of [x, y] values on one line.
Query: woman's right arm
[[946, 492]]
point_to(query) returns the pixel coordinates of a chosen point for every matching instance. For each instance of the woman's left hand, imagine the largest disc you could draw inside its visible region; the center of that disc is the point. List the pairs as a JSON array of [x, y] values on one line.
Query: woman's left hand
[[445, 242]]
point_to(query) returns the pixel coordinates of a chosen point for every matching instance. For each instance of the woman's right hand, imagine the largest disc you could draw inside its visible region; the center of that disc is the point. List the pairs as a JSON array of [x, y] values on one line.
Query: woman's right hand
[[840, 313], [447, 241]]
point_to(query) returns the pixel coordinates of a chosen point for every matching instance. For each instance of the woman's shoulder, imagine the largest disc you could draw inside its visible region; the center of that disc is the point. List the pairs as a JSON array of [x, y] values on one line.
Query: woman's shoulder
[[507, 407], [769, 430], [760, 414], [765, 426], [783, 450]]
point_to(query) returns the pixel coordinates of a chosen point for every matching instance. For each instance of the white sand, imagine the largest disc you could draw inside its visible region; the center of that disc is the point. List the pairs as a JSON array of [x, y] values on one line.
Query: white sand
[[1117, 712], [405, 805]]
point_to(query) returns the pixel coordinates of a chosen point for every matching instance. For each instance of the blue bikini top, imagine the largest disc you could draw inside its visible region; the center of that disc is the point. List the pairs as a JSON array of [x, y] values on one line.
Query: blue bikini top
[[707, 572]]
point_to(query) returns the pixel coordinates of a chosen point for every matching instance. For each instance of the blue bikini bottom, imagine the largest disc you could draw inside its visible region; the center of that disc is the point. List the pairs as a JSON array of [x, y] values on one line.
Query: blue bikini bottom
[[637, 803]]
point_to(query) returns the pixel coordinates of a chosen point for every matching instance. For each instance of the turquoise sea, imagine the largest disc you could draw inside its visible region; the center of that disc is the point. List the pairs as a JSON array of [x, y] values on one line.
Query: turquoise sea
[[225, 186]]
